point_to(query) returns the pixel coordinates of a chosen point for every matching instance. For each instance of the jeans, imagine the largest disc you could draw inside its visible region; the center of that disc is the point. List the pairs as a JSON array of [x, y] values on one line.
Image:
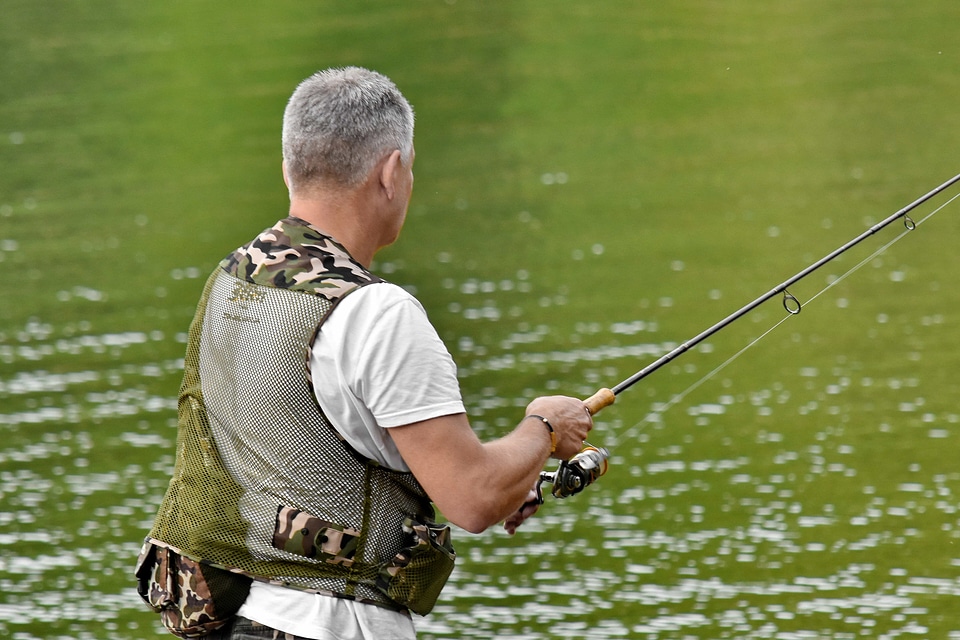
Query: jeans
[[243, 629]]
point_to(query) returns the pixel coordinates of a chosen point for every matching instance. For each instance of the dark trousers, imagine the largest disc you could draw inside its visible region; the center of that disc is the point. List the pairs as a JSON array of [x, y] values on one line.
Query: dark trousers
[[243, 629]]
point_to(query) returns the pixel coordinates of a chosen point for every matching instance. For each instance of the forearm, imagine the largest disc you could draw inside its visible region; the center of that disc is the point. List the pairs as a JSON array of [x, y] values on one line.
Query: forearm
[[512, 465], [474, 484]]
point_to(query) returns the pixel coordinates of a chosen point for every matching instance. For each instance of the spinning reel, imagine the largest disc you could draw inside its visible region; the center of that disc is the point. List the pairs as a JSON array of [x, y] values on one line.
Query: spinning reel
[[573, 475]]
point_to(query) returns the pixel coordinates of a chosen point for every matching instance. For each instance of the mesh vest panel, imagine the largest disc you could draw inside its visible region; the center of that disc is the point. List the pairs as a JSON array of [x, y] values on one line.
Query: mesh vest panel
[[252, 441]]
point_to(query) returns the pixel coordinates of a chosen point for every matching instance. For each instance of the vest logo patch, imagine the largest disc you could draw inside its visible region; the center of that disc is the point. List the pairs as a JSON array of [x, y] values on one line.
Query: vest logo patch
[[246, 292]]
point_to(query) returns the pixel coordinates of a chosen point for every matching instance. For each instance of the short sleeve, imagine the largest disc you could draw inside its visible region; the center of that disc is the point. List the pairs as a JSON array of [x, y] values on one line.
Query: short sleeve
[[378, 363]]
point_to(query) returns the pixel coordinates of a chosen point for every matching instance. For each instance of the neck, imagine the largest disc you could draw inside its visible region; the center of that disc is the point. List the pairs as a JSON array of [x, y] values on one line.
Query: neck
[[340, 215], [363, 218]]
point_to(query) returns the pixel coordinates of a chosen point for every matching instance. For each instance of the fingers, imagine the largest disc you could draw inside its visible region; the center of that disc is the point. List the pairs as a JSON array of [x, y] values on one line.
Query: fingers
[[530, 507]]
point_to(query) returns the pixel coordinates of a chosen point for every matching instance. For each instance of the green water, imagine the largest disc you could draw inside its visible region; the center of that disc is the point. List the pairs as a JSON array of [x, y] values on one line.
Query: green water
[[596, 183]]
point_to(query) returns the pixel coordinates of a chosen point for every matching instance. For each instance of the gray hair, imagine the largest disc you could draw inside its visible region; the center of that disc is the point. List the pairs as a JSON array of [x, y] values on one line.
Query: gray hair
[[339, 123]]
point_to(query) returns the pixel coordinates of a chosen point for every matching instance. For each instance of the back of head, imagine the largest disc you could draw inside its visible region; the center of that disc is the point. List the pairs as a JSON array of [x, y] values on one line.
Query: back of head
[[339, 123]]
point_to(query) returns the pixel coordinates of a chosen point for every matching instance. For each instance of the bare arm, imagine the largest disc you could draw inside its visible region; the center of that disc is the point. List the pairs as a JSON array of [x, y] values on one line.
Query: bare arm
[[476, 484]]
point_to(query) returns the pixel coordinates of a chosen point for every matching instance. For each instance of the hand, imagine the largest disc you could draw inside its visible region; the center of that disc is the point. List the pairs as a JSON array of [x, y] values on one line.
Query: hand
[[570, 419], [528, 508]]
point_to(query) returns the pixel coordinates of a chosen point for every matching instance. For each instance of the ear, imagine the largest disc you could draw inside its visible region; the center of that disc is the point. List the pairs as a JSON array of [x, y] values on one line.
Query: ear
[[388, 173], [286, 178]]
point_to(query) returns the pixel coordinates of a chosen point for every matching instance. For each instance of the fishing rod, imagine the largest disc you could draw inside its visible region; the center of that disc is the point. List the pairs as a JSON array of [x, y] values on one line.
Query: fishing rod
[[605, 397], [573, 475]]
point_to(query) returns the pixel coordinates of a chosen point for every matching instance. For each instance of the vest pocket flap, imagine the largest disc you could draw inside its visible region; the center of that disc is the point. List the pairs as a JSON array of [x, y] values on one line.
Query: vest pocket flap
[[311, 537], [156, 582]]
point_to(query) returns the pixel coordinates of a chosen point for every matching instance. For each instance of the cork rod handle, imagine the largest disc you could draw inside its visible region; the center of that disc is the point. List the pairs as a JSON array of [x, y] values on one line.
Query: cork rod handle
[[599, 400]]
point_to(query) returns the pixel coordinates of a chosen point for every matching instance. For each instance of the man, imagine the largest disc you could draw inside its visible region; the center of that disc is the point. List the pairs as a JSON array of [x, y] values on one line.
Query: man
[[320, 414]]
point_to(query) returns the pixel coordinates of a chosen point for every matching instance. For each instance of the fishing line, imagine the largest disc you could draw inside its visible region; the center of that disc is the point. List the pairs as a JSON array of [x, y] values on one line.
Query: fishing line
[[654, 416], [660, 409], [573, 475], [911, 226]]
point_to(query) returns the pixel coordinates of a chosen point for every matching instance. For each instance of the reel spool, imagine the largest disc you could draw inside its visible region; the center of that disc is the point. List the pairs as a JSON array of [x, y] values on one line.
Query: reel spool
[[573, 475]]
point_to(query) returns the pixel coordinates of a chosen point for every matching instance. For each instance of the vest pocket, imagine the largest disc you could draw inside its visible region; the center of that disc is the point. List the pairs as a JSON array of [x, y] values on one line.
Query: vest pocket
[[311, 537], [417, 574], [192, 598]]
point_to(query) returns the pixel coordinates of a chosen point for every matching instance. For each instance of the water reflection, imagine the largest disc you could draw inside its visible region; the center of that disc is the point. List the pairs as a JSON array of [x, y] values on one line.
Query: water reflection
[[754, 511]]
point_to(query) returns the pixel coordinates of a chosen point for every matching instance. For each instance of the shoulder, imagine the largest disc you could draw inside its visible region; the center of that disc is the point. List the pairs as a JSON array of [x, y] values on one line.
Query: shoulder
[[378, 298], [375, 313]]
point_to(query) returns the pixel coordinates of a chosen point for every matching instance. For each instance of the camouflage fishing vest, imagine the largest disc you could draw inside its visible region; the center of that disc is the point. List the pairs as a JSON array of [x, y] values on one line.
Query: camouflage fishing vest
[[263, 484]]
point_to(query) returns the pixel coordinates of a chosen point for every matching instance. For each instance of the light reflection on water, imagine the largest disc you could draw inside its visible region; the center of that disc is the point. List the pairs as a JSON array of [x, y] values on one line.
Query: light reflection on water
[[777, 532]]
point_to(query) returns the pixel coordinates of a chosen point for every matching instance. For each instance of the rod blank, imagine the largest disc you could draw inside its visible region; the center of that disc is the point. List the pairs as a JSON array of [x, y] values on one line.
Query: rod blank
[[606, 397]]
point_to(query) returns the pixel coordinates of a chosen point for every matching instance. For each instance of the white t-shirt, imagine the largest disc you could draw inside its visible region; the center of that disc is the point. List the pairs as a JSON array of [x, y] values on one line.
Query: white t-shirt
[[377, 363]]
